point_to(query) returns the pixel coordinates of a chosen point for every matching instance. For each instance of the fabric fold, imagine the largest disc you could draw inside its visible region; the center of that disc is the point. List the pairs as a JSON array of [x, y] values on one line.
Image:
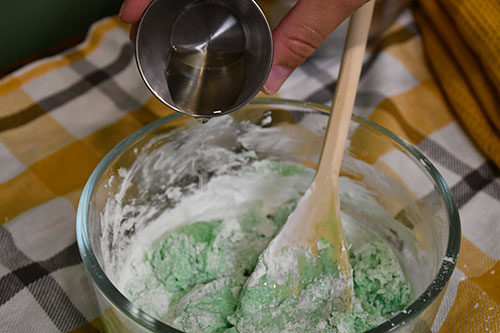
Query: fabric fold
[[465, 72]]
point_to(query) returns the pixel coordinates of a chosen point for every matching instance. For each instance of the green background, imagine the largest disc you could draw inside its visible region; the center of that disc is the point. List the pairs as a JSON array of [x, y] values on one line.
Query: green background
[[29, 26]]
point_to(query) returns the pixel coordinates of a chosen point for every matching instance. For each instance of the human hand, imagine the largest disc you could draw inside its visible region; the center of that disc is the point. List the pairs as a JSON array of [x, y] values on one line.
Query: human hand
[[295, 38]]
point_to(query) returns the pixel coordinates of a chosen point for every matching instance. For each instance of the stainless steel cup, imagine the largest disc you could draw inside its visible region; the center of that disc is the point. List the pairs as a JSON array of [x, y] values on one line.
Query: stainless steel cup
[[204, 58]]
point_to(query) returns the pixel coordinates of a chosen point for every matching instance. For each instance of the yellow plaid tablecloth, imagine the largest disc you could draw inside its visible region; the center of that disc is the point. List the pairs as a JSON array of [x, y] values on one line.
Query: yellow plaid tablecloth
[[61, 115]]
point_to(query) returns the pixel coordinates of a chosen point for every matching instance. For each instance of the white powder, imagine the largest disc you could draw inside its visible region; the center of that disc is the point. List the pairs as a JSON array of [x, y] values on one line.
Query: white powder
[[224, 197], [200, 177]]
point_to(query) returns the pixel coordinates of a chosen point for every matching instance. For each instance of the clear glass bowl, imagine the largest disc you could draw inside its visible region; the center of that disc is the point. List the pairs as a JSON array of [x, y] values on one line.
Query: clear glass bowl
[[425, 235]]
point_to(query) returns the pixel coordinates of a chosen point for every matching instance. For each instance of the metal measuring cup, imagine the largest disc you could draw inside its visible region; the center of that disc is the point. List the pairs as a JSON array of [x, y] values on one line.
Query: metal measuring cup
[[204, 58]]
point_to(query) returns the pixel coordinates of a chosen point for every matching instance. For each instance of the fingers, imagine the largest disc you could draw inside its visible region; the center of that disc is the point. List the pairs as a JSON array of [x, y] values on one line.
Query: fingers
[[301, 31], [131, 10], [133, 31], [296, 37]]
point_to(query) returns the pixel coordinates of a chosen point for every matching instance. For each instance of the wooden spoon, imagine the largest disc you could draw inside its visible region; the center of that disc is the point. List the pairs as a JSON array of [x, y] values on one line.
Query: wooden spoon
[[317, 214]]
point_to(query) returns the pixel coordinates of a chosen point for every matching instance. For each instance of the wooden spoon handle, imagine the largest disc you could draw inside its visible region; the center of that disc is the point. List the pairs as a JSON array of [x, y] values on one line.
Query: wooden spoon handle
[[345, 91]]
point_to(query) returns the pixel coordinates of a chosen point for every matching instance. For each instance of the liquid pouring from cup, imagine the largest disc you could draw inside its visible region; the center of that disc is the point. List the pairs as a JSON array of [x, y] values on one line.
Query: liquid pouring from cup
[[204, 58]]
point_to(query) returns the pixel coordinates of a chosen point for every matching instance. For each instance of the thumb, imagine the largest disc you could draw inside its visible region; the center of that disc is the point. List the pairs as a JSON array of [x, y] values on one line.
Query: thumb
[[131, 10], [301, 31]]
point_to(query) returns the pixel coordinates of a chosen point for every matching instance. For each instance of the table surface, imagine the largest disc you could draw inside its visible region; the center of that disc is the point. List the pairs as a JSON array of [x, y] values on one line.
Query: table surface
[[59, 117]]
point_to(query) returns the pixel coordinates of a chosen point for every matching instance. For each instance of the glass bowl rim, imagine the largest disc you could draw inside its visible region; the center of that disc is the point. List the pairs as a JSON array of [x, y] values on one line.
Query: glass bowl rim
[[114, 296]]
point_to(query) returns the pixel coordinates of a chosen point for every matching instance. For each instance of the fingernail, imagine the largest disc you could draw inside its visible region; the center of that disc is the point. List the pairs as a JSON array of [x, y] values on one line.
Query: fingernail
[[121, 10], [276, 77]]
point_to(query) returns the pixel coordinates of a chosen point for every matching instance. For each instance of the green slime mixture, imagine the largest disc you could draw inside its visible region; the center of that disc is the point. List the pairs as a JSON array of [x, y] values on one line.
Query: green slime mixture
[[200, 269]]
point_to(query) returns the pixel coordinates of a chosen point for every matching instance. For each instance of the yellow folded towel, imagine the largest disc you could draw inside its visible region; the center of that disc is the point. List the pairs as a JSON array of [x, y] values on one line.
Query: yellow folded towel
[[462, 44]]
